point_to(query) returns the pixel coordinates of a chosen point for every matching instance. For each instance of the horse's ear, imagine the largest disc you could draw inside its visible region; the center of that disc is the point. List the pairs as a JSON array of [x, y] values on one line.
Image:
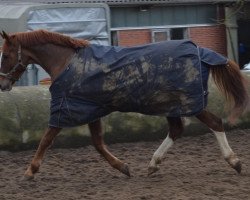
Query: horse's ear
[[5, 36]]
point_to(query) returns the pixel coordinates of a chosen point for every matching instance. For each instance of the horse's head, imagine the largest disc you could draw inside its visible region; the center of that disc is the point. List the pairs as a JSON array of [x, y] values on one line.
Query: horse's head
[[11, 67]]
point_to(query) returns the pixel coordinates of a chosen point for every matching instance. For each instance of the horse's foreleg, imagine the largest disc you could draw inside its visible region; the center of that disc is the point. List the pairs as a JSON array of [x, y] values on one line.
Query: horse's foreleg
[[175, 130], [45, 143], [216, 125], [97, 139]]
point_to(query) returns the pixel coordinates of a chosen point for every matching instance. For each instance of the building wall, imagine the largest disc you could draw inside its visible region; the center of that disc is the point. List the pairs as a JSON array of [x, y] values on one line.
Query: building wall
[[162, 15], [213, 37], [134, 37]]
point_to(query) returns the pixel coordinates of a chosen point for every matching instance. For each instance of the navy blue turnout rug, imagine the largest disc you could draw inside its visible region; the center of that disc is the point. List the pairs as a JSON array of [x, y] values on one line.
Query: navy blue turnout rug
[[167, 78]]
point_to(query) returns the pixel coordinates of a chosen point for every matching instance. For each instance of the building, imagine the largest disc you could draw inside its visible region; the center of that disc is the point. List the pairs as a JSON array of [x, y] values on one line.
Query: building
[[220, 25]]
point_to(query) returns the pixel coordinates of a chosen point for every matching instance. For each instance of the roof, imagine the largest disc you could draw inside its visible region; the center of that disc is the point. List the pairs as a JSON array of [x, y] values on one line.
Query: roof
[[125, 2], [14, 11]]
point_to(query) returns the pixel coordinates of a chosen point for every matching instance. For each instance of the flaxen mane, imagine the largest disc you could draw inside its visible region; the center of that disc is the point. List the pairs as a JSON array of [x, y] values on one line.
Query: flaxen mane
[[43, 37]]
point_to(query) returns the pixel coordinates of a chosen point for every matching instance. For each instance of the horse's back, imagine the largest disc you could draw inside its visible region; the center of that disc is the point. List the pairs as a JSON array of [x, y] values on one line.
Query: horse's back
[[166, 78]]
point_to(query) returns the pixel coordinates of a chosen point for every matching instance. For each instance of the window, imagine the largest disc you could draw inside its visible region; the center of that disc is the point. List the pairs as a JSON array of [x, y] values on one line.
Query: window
[[169, 34]]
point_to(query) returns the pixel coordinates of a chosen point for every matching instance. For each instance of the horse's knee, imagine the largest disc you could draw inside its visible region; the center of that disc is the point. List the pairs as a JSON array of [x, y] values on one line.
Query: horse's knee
[[174, 135], [216, 124], [96, 135], [175, 127]]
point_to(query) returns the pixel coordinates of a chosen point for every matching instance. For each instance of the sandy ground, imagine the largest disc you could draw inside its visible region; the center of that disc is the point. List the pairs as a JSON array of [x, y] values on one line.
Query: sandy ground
[[193, 169]]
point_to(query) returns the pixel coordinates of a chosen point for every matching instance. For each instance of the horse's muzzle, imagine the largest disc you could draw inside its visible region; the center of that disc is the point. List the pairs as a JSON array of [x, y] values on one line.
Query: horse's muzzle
[[5, 84]]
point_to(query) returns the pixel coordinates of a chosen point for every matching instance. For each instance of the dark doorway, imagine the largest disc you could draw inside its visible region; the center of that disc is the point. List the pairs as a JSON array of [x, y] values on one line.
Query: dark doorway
[[244, 41]]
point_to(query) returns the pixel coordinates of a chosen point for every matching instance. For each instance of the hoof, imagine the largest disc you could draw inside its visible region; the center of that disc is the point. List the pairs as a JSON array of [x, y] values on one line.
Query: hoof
[[237, 167], [28, 177], [234, 162], [125, 169], [152, 170]]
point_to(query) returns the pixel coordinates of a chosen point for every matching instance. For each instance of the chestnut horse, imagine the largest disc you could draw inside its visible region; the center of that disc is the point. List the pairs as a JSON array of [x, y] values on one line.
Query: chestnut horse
[[56, 54]]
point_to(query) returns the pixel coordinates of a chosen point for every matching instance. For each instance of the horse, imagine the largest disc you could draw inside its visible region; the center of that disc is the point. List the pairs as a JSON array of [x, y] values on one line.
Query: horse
[[90, 81]]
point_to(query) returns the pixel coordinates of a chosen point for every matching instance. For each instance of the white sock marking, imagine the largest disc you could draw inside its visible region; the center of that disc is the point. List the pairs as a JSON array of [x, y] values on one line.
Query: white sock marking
[[163, 148], [223, 143]]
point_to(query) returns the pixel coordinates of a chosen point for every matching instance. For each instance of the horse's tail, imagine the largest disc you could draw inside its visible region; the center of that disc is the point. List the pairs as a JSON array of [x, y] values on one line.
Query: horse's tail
[[233, 85]]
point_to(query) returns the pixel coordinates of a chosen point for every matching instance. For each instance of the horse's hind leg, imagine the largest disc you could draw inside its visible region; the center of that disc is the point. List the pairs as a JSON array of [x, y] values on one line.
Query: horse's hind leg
[[45, 143], [97, 139], [175, 130], [215, 124]]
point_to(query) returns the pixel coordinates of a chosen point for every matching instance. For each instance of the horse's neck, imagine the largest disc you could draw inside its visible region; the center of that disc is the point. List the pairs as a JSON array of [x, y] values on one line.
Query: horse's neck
[[52, 58]]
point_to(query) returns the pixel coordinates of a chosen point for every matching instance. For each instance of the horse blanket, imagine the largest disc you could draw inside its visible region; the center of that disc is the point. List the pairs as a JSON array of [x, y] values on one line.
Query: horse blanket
[[167, 78]]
